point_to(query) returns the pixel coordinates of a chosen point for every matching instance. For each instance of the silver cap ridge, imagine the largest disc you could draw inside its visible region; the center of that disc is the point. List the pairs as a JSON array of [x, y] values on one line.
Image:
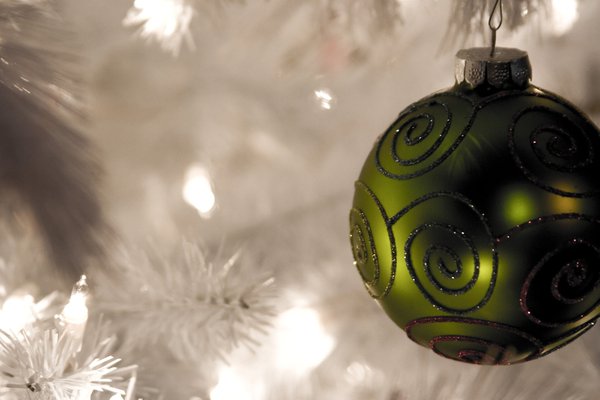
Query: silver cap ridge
[[509, 68]]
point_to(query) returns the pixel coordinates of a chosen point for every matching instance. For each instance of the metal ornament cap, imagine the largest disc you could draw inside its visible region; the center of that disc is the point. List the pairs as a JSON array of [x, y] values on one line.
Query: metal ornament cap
[[508, 69]]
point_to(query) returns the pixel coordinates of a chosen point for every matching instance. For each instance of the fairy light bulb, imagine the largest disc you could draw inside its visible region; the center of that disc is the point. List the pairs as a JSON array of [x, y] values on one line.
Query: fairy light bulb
[[357, 373], [302, 343], [165, 21], [564, 16], [197, 190], [163, 17], [76, 311], [17, 311], [324, 98], [230, 386]]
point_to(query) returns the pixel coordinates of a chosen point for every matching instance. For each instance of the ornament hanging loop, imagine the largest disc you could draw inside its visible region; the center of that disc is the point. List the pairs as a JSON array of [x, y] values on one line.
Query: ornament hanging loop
[[496, 14]]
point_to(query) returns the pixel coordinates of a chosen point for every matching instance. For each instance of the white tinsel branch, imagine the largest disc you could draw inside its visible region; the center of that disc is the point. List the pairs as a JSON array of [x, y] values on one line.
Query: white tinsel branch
[[53, 359], [164, 21], [42, 364], [198, 309], [43, 155], [376, 14], [168, 22], [469, 18]]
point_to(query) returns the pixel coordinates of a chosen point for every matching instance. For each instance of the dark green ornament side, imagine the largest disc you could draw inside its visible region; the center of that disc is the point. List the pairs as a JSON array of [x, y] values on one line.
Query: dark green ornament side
[[476, 217]]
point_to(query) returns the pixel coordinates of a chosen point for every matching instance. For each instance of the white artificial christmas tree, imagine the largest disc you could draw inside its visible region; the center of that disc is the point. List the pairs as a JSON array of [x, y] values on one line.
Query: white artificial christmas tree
[[231, 133]]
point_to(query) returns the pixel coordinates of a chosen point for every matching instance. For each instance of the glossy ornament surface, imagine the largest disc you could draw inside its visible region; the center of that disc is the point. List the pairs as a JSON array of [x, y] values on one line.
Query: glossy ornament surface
[[476, 217]]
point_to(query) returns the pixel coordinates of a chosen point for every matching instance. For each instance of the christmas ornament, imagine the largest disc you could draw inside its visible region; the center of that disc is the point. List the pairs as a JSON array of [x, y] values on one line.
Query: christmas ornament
[[476, 217]]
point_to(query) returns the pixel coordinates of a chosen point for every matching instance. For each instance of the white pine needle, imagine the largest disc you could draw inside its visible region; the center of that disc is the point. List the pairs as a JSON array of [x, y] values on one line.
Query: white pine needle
[[199, 310], [45, 365], [374, 15]]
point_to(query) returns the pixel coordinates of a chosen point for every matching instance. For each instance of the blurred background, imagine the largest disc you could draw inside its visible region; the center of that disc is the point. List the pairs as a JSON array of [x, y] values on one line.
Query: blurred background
[[246, 129]]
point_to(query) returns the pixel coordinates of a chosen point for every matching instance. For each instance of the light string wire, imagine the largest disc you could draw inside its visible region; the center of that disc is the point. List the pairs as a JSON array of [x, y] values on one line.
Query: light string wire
[[494, 15]]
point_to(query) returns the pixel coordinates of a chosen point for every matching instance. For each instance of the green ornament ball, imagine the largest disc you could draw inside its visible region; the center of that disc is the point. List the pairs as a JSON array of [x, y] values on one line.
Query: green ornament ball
[[476, 217]]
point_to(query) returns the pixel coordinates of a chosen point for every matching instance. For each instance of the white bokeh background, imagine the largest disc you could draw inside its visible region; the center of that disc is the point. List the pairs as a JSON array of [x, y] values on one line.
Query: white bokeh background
[[242, 107]]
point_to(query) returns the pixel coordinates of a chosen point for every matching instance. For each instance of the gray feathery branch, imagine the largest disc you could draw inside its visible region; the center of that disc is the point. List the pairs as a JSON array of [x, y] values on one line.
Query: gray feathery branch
[[43, 155]]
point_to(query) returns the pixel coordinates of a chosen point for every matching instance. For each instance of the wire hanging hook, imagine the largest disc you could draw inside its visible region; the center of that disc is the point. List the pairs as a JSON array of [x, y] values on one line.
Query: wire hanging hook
[[497, 8]]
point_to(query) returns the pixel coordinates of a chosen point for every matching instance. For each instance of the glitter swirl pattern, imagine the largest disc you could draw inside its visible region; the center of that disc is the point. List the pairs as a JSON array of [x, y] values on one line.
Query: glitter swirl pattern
[[366, 250], [475, 223], [555, 151], [363, 247], [564, 286], [438, 253], [458, 343], [566, 338], [412, 146]]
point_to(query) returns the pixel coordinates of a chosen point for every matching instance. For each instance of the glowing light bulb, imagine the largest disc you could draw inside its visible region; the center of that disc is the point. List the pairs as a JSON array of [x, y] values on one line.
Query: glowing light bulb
[[17, 312], [167, 21], [76, 311], [324, 98], [564, 16], [357, 373], [197, 190], [230, 386], [302, 343]]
